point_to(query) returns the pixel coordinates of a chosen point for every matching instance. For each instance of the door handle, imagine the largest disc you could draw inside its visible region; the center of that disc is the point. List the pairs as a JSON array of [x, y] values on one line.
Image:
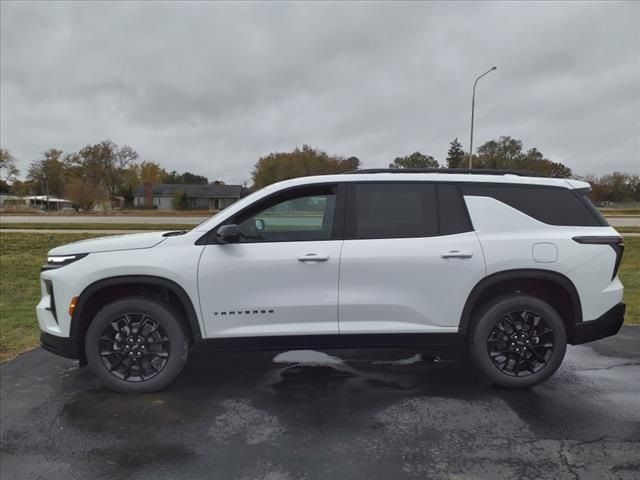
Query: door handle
[[456, 254], [313, 257]]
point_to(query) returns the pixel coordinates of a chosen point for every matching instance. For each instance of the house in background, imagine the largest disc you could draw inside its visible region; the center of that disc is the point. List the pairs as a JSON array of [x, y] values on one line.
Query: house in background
[[39, 202], [164, 196]]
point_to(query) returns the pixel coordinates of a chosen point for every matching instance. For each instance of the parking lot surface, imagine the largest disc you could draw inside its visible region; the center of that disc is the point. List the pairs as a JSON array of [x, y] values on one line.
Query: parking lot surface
[[349, 414]]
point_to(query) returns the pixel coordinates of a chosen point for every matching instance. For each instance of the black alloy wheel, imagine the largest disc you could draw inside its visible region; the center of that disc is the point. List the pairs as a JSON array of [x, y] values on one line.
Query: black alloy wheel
[[517, 340], [134, 347], [520, 343], [137, 344]]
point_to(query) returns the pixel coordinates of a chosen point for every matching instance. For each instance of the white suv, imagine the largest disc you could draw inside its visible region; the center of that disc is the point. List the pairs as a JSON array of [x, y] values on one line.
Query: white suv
[[508, 268]]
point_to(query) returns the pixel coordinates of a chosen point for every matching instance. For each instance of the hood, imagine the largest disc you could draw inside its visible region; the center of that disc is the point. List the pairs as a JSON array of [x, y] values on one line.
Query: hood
[[113, 243]]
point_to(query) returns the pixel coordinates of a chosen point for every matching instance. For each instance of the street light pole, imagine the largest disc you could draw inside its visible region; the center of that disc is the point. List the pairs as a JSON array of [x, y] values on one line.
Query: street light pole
[[473, 107]]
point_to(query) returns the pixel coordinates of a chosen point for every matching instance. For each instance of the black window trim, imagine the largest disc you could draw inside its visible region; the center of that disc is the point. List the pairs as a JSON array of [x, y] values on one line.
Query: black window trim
[[472, 228], [337, 229], [349, 210]]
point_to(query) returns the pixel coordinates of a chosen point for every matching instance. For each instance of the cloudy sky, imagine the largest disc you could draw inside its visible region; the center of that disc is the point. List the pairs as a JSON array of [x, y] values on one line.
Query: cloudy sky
[[211, 87]]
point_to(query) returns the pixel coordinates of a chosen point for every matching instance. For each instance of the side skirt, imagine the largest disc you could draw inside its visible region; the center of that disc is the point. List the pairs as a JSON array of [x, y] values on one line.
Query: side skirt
[[446, 346]]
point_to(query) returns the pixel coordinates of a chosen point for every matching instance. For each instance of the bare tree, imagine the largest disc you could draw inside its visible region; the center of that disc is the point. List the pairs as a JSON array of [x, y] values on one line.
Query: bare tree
[[8, 169]]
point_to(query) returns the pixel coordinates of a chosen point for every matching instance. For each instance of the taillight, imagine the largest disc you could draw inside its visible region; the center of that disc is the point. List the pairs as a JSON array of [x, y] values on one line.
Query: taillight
[[619, 249], [617, 243]]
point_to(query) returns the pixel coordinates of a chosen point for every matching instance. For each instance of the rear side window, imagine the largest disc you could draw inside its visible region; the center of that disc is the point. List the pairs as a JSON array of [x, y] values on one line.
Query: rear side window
[[551, 205], [392, 210]]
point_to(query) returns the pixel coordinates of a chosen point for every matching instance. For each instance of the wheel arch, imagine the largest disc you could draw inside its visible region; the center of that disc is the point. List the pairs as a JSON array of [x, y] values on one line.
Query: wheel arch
[[87, 306], [555, 288]]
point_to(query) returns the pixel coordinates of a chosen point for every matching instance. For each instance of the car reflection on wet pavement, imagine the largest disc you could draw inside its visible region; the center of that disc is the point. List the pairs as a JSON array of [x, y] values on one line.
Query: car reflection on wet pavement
[[388, 414]]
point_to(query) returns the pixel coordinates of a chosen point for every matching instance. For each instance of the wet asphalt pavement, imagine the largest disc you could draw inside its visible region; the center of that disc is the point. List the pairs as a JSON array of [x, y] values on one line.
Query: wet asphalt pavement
[[346, 415]]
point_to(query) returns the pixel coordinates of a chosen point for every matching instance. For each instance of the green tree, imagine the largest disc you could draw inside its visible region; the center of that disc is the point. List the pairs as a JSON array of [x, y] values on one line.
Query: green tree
[[617, 187], [22, 188], [507, 153], [49, 174], [415, 160], [455, 155], [300, 162], [186, 178], [180, 200], [504, 153]]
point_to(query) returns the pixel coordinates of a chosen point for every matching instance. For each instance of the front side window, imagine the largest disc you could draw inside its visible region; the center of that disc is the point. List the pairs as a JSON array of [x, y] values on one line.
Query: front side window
[[392, 210], [304, 214]]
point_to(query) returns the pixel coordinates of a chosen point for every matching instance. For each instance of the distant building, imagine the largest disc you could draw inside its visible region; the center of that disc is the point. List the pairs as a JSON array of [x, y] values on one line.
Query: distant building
[[41, 202], [163, 196]]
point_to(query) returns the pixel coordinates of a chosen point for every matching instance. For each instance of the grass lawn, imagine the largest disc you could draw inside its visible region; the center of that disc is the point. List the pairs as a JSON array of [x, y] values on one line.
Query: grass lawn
[[22, 254], [102, 226], [612, 212], [628, 229]]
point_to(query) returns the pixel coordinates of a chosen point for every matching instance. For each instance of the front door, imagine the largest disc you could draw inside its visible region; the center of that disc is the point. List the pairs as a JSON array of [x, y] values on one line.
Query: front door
[[281, 277]]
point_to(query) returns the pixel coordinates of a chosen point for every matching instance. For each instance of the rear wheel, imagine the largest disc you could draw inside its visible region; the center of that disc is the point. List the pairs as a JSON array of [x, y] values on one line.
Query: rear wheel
[[136, 345], [518, 341]]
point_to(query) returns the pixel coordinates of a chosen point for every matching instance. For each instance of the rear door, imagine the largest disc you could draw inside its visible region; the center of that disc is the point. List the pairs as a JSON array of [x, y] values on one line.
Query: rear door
[[409, 260]]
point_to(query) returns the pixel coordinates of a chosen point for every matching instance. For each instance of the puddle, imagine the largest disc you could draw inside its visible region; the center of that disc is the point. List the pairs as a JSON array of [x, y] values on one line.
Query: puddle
[[317, 371], [417, 358], [142, 456], [307, 357], [101, 408]]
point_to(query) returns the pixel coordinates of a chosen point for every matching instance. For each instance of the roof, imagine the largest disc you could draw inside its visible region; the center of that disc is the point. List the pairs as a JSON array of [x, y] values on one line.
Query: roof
[[437, 177], [194, 191], [45, 198]]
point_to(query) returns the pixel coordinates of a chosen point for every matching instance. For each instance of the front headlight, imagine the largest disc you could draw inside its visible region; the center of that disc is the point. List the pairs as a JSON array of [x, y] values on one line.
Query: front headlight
[[56, 261]]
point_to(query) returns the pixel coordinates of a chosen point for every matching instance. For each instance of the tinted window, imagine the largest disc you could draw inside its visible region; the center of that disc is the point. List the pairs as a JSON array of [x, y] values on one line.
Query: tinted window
[[551, 205], [584, 195], [454, 217], [300, 215], [392, 210]]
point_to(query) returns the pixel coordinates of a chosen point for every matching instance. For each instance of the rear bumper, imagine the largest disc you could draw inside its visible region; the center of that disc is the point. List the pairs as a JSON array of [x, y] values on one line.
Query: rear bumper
[[606, 325], [63, 346]]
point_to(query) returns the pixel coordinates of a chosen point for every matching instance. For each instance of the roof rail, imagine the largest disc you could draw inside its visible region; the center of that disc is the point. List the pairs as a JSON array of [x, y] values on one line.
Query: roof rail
[[470, 171]]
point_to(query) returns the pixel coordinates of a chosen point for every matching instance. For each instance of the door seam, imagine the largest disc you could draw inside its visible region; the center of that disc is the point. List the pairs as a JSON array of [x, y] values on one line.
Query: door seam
[[339, 275]]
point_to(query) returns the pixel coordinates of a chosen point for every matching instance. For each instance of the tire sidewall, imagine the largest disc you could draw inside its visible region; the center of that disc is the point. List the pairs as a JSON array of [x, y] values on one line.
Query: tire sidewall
[[487, 319], [168, 319]]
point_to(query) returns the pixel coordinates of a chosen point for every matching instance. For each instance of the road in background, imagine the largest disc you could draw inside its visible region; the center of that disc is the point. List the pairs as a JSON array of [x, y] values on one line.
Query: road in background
[[128, 219], [630, 221], [626, 221]]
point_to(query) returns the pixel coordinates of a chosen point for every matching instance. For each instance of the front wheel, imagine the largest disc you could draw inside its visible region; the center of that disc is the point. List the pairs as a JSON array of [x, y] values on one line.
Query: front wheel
[[518, 341], [136, 344]]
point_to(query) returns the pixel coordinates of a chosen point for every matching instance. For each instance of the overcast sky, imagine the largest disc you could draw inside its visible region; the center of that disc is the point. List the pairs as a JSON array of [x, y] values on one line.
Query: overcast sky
[[211, 87]]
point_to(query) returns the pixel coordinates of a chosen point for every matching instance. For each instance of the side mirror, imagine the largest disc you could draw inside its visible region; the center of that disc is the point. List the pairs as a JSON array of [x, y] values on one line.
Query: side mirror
[[228, 233], [259, 223]]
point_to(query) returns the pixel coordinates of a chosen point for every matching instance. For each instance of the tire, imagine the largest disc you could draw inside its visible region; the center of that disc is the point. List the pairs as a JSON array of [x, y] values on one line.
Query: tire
[[533, 349], [136, 345]]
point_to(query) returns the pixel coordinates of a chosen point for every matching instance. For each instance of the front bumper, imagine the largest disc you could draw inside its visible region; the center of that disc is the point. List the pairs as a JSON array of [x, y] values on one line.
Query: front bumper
[[63, 346], [606, 325]]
